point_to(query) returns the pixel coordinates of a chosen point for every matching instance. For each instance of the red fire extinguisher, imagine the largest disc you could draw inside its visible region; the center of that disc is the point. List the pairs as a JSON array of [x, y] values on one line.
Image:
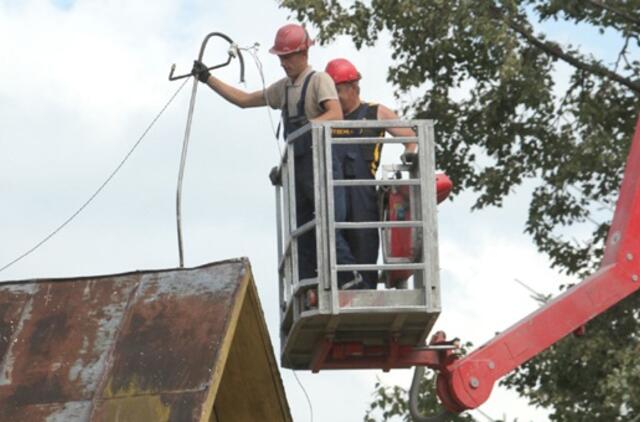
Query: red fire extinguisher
[[400, 242]]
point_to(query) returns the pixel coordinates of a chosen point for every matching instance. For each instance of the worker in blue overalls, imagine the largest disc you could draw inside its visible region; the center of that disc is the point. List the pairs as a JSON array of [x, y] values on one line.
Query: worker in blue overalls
[[303, 96], [362, 163]]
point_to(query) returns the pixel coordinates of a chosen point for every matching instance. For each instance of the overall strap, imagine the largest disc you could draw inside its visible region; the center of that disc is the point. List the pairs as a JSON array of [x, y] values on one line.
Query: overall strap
[[303, 93], [300, 106], [284, 119]]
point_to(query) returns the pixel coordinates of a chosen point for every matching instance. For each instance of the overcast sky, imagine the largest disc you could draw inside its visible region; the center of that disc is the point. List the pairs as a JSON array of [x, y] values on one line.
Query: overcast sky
[[80, 81]]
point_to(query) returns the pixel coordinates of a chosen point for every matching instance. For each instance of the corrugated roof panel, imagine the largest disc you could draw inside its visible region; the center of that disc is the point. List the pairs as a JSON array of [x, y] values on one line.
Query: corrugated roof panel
[[137, 346]]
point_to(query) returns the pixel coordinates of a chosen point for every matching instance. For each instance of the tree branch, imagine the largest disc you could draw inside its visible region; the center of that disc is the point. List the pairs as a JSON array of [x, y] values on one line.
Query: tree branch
[[556, 51], [622, 54], [621, 13]]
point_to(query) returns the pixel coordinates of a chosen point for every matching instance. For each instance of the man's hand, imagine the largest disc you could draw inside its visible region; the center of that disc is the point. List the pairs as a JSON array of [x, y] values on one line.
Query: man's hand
[[275, 176], [200, 71], [409, 157]]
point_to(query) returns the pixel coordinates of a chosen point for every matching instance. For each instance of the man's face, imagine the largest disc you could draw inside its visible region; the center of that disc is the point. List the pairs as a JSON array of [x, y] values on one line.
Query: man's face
[[294, 63], [347, 93]]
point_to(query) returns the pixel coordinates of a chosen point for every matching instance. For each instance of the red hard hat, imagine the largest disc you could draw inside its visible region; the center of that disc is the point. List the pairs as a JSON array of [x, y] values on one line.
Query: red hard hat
[[342, 70], [291, 38]]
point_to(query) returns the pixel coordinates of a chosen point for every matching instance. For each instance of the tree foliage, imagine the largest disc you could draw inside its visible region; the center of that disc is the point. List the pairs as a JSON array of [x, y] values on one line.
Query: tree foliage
[[391, 402], [489, 76]]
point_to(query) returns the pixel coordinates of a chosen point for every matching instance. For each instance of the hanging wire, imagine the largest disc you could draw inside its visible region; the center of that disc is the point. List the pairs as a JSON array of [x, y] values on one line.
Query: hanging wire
[[102, 186], [489, 418], [305, 394], [253, 52], [535, 295]]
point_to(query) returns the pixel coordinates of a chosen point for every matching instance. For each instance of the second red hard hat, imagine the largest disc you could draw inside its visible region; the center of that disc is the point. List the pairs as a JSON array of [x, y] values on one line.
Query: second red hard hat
[[342, 70]]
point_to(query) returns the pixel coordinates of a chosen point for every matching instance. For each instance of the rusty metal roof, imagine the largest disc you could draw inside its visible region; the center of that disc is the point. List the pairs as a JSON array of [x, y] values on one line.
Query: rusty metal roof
[[174, 345]]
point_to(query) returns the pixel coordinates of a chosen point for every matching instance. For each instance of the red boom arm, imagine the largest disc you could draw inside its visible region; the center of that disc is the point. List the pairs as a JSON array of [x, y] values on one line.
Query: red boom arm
[[467, 383]]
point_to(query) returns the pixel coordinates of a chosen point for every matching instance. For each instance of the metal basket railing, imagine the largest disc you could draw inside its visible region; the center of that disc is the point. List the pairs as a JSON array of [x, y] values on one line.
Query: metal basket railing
[[421, 181]]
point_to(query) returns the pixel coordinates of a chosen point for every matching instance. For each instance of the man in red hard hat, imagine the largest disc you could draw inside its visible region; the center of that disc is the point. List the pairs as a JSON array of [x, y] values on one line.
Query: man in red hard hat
[[304, 95], [362, 204]]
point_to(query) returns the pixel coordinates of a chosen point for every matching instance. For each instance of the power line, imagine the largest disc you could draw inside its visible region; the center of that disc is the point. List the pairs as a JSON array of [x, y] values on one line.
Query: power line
[[102, 186]]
